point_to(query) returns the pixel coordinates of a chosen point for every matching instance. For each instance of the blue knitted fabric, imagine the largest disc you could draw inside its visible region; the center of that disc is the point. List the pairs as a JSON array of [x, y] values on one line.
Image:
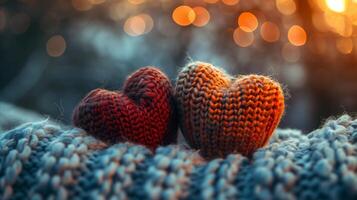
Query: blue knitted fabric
[[42, 161]]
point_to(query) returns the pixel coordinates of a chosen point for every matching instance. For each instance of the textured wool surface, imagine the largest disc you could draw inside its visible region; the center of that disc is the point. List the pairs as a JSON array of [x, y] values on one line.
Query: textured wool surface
[[220, 114], [41, 161], [143, 113]]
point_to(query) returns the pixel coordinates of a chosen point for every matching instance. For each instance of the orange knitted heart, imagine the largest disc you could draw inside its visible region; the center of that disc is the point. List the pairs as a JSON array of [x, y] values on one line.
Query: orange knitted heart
[[143, 113], [220, 114]]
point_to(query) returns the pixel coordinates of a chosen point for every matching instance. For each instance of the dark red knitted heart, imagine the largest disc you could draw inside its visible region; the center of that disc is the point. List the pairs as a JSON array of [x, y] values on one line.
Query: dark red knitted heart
[[143, 113], [220, 114]]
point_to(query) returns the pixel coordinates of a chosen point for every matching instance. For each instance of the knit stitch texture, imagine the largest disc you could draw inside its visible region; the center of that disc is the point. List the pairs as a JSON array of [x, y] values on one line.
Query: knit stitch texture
[[220, 114], [143, 113], [42, 161]]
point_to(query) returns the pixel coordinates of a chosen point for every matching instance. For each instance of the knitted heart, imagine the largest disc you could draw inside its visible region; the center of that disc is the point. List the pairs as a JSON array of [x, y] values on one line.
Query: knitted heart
[[220, 114], [143, 113]]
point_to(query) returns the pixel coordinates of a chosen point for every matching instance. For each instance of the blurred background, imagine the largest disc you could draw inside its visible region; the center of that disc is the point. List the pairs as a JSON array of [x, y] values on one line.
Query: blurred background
[[54, 52]]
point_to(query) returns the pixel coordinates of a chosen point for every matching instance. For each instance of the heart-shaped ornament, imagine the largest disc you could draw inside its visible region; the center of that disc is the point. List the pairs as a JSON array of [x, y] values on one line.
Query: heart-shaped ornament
[[143, 113], [220, 114]]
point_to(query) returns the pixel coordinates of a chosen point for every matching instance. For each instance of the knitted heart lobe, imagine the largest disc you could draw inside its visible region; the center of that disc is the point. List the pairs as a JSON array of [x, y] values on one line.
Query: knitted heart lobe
[[221, 115], [143, 113]]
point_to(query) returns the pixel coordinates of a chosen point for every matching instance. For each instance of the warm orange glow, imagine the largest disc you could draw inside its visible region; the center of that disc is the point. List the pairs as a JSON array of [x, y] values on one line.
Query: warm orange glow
[[56, 46], [202, 16], [336, 5], [247, 21], [243, 38], [344, 45], [297, 35], [338, 16], [184, 15], [319, 22], [286, 7], [339, 24], [270, 32], [82, 5], [290, 53], [211, 1], [138, 25], [230, 2]]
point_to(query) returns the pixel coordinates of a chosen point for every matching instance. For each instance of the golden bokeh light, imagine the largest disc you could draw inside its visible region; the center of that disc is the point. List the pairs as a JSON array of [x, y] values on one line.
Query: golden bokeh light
[[56, 46], [286, 7], [290, 53], [344, 45], [138, 25], [82, 5], [336, 5], [337, 16], [202, 16], [134, 26], [247, 21], [338, 24], [230, 2], [270, 32], [243, 38], [319, 22], [183, 15], [297, 35]]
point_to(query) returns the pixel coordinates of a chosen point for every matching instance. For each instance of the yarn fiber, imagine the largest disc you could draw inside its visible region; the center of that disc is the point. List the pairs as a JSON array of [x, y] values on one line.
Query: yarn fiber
[[42, 161], [143, 113], [220, 114]]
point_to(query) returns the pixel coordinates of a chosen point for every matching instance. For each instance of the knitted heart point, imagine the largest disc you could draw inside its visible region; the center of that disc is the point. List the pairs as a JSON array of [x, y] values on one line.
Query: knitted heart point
[[143, 113], [221, 115]]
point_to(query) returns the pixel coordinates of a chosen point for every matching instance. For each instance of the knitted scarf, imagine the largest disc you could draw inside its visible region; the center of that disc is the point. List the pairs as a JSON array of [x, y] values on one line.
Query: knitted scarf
[[41, 161]]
